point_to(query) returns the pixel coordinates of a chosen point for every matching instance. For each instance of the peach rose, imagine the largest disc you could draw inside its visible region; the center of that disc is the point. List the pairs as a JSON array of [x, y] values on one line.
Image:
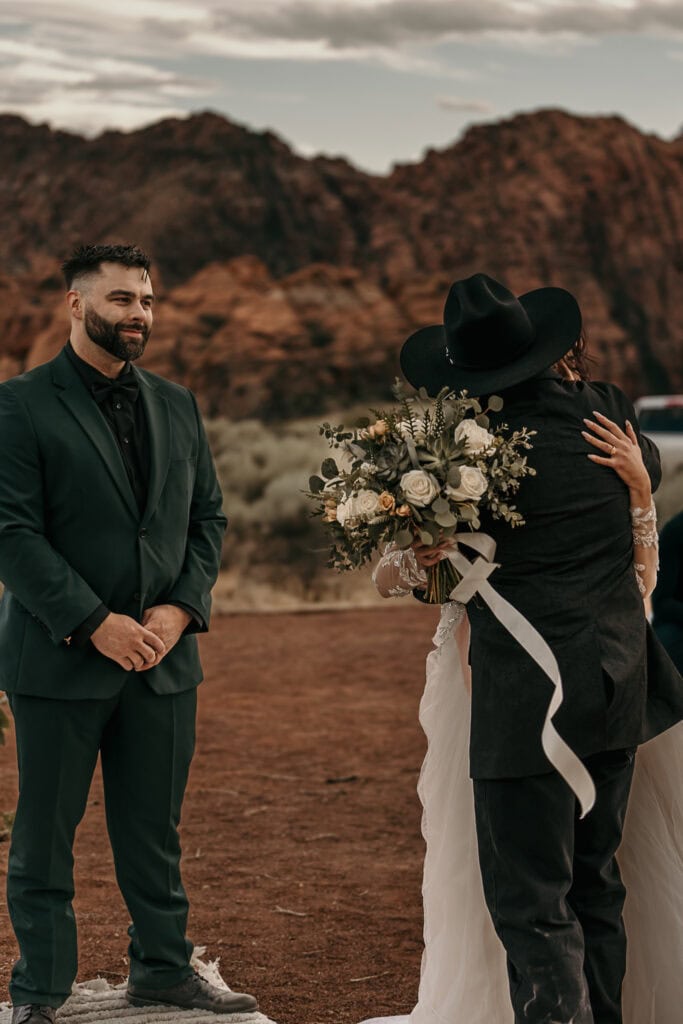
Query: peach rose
[[387, 502]]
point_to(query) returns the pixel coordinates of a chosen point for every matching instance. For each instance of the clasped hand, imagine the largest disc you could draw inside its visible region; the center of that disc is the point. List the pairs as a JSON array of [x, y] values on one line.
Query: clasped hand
[[141, 646], [428, 555]]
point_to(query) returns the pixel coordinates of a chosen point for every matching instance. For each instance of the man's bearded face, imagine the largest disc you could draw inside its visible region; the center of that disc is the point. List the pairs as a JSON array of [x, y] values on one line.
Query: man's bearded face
[[123, 339]]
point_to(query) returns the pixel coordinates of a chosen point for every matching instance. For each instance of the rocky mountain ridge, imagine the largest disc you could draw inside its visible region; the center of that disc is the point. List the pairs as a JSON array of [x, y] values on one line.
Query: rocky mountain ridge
[[287, 285]]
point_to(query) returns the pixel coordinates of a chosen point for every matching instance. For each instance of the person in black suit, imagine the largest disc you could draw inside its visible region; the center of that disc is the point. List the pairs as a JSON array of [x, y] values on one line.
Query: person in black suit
[[110, 537], [667, 599], [550, 878]]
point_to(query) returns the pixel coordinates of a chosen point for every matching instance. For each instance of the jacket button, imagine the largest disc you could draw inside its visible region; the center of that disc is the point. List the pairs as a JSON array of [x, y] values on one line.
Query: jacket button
[[142, 534]]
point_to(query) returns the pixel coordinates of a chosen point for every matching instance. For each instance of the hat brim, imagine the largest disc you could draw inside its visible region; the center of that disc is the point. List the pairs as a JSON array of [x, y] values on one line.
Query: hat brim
[[556, 316]]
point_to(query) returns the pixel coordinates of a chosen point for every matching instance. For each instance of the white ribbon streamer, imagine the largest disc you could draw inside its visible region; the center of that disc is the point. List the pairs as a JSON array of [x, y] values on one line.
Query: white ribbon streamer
[[475, 581]]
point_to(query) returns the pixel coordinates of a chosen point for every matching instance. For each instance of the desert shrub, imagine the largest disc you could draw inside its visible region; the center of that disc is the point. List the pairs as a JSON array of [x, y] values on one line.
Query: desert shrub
[[6, 823], [264, 467], [4, 720], [263, 470]]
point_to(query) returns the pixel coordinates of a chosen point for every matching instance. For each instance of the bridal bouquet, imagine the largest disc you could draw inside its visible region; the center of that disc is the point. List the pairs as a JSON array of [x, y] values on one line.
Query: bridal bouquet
[[423, 469]]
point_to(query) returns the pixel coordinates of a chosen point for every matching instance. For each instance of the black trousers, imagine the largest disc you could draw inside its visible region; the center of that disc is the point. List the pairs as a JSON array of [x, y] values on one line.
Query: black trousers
[[554, 891], [146, 743]]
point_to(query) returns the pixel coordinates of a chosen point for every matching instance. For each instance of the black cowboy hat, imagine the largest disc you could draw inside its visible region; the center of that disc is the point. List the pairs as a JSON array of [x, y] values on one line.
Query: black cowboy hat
[[490, 340]]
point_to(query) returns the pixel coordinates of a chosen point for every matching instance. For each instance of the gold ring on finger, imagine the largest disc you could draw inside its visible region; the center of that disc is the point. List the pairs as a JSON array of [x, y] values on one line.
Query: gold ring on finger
[[613, 450]]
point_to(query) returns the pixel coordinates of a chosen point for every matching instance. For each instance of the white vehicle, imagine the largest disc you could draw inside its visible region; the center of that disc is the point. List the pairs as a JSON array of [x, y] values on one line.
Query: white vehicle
[[661, 418], [660, 413]]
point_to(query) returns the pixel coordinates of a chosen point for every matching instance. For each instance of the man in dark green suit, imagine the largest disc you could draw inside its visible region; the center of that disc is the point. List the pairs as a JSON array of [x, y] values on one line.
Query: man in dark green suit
[[110, 536]]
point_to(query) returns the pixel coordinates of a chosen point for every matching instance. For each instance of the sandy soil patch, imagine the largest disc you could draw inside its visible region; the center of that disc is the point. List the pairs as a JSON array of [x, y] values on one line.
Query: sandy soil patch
[[301, 829]]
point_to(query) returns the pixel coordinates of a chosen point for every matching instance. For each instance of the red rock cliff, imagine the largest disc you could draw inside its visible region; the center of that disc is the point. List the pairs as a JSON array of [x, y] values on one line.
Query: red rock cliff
[[287, 285]]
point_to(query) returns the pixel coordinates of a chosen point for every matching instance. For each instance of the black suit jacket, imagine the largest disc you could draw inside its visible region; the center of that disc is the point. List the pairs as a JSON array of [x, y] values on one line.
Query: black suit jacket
[[569, 570], [72, 535]]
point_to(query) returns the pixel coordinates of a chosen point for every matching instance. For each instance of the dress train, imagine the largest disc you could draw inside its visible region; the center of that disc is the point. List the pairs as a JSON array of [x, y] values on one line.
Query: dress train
[[463, 975]]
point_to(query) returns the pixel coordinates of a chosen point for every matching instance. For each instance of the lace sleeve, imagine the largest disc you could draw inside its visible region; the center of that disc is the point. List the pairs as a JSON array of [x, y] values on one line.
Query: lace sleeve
[[397, 573], [645, 547]]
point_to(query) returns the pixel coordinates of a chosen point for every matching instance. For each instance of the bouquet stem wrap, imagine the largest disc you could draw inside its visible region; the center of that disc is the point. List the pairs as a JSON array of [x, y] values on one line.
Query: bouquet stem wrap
[[475, 581]]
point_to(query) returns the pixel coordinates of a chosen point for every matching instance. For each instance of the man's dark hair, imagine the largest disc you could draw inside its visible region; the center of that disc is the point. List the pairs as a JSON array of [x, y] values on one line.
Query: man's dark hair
[[86, 259]]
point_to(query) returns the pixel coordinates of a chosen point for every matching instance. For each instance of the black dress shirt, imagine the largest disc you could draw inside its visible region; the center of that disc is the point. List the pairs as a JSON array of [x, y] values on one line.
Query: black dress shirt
[[119, 402], [125, 414]]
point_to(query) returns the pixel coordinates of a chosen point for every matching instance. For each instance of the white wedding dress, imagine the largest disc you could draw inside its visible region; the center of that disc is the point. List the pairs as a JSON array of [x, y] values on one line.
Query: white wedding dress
[[463, 977]]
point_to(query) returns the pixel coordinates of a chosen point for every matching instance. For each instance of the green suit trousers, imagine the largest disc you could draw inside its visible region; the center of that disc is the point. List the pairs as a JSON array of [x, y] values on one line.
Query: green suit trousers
[[146, 742]]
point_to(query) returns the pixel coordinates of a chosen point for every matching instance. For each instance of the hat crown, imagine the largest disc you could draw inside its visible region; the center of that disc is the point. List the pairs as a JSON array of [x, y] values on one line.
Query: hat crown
[[490, 340], [485, 325]]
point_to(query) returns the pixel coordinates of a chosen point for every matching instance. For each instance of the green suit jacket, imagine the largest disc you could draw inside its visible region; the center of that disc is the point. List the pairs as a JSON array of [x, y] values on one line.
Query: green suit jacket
[[71, 534]]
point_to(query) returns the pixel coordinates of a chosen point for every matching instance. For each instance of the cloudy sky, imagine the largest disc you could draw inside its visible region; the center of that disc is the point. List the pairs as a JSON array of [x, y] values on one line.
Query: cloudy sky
[[377, 81]]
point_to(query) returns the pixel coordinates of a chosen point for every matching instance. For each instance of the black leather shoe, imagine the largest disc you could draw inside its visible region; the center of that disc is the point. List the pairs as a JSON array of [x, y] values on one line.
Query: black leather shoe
[[192, 994], [31, 1013]]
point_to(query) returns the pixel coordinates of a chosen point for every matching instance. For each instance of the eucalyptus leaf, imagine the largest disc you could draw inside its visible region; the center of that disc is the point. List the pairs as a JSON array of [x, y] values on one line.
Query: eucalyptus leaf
[[404, 538], [446, 519], [316, 484], [427, 538], [496, 403], [454, 476], [440, 505], [483, 421], [329, 469]]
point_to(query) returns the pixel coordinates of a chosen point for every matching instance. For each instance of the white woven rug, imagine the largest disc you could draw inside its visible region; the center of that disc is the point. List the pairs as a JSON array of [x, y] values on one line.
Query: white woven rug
[[96, 1002]]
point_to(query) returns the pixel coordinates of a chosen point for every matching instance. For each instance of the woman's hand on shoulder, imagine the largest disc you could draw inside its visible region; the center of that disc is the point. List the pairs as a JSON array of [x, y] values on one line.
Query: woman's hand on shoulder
[[564, 369], [620, 451]]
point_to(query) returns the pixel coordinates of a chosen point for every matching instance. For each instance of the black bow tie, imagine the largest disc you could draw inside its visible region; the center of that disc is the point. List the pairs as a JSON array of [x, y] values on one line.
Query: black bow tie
[[125, 387]]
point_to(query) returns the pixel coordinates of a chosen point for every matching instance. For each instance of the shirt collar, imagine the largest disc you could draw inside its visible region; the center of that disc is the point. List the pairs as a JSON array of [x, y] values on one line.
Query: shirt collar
[[89, 374]]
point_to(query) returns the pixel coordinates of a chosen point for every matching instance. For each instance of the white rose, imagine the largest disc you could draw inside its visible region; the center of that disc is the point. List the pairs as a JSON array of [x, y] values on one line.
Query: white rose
[[419, 487], [367, 505], [472, 485], [476, 438]]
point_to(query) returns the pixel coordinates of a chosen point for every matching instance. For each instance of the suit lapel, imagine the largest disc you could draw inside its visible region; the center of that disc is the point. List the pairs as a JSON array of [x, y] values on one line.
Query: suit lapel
[[159, 425], [80, 404]]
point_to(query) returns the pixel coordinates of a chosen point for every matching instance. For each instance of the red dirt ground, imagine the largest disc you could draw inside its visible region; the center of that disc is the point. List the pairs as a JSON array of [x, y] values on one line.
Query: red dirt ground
[[301, 826]]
